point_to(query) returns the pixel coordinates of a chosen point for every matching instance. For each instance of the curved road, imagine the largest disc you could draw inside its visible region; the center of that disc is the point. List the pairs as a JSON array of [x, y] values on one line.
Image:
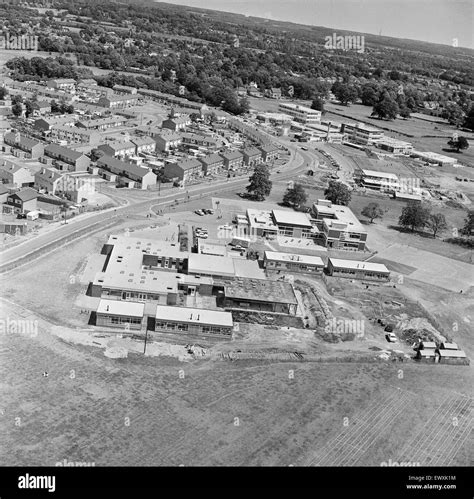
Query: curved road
[[62, 232]]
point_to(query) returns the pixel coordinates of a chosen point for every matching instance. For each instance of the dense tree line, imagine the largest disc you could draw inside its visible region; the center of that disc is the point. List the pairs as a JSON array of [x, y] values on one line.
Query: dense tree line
[[182, 48]]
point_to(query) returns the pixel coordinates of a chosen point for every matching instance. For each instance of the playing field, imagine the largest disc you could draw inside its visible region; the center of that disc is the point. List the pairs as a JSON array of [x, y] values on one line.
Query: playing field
[[158, 411]]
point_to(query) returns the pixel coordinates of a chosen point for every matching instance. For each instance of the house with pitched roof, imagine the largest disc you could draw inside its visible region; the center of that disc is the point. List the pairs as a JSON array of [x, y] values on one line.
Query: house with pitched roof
[[211, 164], [183, 170], [72, 160], [23, 201], [142, 177], [32, 147], [118, 149], [15, 173]]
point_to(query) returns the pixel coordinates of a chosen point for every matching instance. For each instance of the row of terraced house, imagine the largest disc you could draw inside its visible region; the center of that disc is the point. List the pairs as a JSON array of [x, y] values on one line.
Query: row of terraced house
[[193, 168]]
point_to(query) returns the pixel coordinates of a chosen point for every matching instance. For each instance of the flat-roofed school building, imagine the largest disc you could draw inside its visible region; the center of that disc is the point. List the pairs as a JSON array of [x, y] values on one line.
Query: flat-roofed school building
[[353, 269], [260, 295], [339, 227], [275, 260], [193, 321], [128, 315]]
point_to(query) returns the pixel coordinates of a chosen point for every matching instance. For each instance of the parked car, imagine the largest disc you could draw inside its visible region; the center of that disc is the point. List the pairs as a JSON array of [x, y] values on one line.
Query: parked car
[[199, 212], [391, 338], [225, 227]]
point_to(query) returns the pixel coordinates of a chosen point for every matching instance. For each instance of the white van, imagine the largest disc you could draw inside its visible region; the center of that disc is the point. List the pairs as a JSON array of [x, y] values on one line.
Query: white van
[[33, 215]]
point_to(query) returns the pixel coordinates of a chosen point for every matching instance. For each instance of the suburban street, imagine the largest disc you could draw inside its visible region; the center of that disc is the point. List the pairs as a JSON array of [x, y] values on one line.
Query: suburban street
[[62, 232]]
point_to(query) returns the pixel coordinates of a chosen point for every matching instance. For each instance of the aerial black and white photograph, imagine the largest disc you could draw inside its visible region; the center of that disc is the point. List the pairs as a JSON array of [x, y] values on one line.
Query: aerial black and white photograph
[[237, 237]]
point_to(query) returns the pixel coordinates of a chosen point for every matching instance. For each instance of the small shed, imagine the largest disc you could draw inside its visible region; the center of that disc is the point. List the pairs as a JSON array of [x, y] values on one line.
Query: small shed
[[448, 346], [427, 345], [428, 356]]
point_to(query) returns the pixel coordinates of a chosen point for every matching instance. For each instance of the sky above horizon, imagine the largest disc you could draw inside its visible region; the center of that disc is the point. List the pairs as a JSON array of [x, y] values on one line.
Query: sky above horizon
[[435, 21]]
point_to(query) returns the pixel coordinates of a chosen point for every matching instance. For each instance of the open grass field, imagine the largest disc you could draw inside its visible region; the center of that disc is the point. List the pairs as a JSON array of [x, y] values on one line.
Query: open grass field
[[141, 411], [6, 55]]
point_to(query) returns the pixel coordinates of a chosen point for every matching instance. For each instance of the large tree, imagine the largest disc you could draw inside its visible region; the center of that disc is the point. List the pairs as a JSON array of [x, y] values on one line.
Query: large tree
[[454, 114], [260, 184], [369, 95], [17, 109], [338, 193], [295, 196], [344, 92], [437, 223], [372, 211], [414, 216], [386, 107], [458, 143]]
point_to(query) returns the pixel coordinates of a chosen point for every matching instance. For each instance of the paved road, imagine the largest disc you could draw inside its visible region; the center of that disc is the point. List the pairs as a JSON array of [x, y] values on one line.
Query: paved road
[[346, 165], [31, 246]]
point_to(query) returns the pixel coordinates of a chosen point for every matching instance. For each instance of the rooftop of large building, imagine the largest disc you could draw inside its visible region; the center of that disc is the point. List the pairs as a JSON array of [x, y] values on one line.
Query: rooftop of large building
[[286, 217], [358, 265], [194, 316], [363, 127], [373, 173], [124, 278], [261, 219], [200, 263], [298, 107], [261, 290], [293, 258], [134, 247], [122, 308], [342, 214]]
